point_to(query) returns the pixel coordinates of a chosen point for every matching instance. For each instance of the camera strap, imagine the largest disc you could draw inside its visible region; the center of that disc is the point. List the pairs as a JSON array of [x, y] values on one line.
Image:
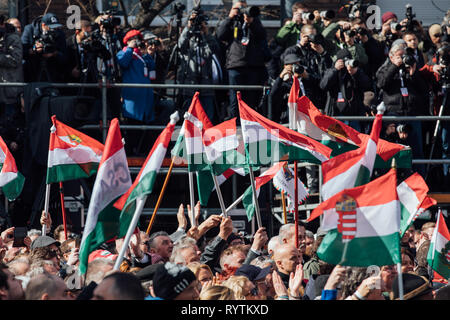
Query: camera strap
[[143, 61]]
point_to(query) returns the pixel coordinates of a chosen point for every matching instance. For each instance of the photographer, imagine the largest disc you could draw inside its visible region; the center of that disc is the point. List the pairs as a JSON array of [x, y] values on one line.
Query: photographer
[[282, 86], [314, 59], [345, 84], [347, 39], [199, 63], [289, 34], [412, 42], [246, 52], [405, 92], [164, 107], [10, 71], [372, 48], [390, 31], [44, 50]]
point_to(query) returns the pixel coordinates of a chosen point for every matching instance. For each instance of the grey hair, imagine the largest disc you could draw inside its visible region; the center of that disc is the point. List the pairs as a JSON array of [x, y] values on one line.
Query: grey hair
[[396, 48], [284, 231], [273, 242], [34, 232], [262, 262], [37, 267], [180, 245], [309, 234], [41, 284], [153, 236]]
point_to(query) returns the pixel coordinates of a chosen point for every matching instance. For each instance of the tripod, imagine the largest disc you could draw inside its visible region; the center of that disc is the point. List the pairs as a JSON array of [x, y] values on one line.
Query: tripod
[[445, 88], [174, 57]]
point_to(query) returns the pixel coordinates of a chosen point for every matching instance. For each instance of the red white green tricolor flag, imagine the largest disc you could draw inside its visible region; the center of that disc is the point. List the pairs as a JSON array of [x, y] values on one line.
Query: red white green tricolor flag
[[342, 138], [352, 168], [439, 253], [412, 193], [370, 232], [143, 184], [265, 177], [112, 181], [11, 180], [269, 142], [195, 124], [72, 154]]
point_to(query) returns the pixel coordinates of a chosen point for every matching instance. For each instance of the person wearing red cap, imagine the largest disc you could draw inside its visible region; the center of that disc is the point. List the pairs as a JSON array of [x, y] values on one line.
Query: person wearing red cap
[[388, 32], [137, 67]]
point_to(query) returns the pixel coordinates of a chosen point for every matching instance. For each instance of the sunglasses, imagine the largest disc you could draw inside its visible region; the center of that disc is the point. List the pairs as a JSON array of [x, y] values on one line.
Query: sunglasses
[[437, 35]]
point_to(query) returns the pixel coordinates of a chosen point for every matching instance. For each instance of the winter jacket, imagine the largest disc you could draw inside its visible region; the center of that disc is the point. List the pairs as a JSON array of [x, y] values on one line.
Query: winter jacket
[[137, 102], [239, 55], [352, 88], [10, 66], [288, 34], [199, 62], [388, 79]]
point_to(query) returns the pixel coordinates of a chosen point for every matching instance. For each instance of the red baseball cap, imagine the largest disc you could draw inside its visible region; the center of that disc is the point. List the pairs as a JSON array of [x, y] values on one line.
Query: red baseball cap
[[130, 34], [387, 16]]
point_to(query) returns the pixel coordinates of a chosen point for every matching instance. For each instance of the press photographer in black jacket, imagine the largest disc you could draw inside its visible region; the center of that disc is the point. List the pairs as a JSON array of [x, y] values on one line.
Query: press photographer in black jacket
[[345, 84], [246, 47]]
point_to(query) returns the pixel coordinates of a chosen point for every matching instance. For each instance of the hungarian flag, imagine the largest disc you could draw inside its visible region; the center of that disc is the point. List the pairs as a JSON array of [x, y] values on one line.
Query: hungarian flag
[[205, 183], [221, 147], [196, 122], [72, 154], [439, 253], [353, 168], [112, 181], [363, 223], [269, 142], [179, 149], [342, 138], [143, 184], [11, 180], [412, 194], [284, 181], [265, 177]]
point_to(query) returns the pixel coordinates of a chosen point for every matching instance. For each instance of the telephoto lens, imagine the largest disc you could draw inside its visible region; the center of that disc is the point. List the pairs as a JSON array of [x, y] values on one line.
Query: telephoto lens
[[352, 63], [297, 68], [328, 14], [308, 16]]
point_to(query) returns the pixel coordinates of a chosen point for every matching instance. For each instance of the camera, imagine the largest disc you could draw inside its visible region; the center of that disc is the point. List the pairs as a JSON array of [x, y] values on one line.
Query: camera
[[444, 62], [251, 11], [351, 62], [410, 23], [408, 58], [351, 33], [93, 44], [297, 68], [48, 41], [154, 41], [328, 14], [197, 22], [110, 23], [308, 16], [362, 32], [396, 26], [178, 8], [316, 38]]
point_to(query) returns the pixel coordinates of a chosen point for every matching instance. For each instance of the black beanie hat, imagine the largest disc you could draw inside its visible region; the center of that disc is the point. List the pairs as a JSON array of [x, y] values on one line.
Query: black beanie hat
[[171, 279]]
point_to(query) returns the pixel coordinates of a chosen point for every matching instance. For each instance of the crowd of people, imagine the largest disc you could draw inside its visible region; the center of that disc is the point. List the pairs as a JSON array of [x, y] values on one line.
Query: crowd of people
[[345, 67], [210, 260]]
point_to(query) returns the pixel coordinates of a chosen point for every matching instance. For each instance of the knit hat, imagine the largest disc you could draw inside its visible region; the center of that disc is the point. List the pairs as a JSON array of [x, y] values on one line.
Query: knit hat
[[387, 16], [414, 286], [130, 34], [171, 279]]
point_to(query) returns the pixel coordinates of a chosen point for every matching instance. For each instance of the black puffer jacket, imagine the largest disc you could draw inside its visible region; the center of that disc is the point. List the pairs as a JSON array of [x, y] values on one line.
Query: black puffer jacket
[[239, 55], [10, 65], [416, 103]]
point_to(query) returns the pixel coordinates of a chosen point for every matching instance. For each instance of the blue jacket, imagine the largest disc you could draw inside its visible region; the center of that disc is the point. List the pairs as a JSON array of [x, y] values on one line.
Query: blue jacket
[[137, 102]]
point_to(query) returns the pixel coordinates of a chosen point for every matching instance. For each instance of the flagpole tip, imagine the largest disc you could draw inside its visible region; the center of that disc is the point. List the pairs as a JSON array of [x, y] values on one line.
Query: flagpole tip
[[174, 117], [381, 109], [393, 164]]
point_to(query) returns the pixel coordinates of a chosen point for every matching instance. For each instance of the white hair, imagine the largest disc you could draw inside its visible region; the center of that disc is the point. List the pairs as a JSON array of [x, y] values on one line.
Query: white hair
[[273, 243], [396, 48], [180, 245]]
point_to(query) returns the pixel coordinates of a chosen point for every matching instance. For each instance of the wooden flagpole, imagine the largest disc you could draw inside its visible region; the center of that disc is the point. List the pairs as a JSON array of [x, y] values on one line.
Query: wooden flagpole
[[161, 195], [46, 204], [283, 203], [63, 208]]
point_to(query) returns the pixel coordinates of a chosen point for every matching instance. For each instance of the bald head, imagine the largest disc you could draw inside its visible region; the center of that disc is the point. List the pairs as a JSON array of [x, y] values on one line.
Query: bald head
[[287, 257]]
